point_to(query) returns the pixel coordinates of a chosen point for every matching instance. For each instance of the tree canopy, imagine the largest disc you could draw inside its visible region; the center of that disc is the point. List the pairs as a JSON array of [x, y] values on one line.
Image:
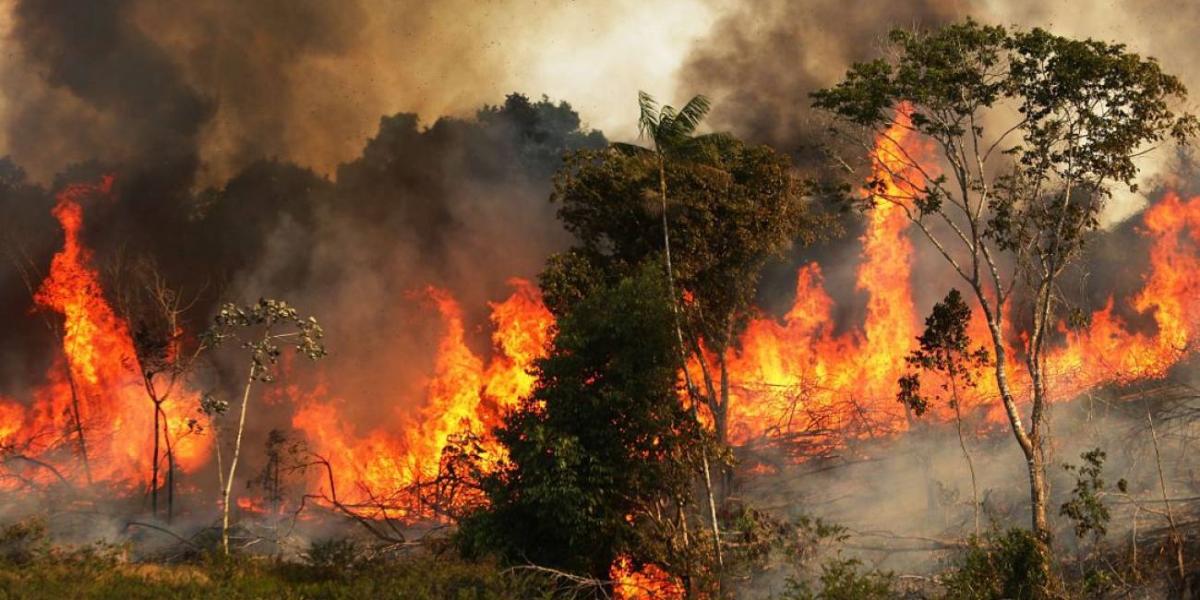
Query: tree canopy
[[602, 448], [1030, 133]]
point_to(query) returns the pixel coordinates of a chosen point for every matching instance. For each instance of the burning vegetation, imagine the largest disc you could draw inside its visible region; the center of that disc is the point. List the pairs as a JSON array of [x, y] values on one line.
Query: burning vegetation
[[635, 423]]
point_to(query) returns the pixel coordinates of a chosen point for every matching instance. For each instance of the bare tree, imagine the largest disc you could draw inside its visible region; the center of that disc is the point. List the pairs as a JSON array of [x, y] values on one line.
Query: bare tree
[[154, 311]]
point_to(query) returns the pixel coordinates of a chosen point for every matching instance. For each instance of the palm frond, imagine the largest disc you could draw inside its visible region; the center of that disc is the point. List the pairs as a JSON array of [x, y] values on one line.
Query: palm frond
[[690, 116], [666, 136], [648, 119], [710, 148]]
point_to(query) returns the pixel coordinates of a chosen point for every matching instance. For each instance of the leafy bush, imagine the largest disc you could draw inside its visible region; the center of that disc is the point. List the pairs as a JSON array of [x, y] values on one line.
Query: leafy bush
[[1000, 565], [20, 541], [844, 579]]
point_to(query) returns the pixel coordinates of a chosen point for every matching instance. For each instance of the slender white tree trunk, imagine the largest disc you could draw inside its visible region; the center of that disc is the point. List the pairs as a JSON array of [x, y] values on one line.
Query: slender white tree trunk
[[233, 463]]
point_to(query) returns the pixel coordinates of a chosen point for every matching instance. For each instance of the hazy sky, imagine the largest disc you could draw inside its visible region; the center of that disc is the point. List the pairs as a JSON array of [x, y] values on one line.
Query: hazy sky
[[308, 80]]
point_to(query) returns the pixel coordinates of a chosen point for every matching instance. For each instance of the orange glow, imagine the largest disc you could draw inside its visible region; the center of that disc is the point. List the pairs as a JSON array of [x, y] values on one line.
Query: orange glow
[[792, 379], [796, 379], [95, 385], [1106, 350], [647, 583], [462, 395], [798, 376]]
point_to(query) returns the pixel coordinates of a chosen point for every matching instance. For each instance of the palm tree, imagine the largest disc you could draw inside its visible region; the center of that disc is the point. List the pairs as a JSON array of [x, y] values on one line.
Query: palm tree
[[672, 136]]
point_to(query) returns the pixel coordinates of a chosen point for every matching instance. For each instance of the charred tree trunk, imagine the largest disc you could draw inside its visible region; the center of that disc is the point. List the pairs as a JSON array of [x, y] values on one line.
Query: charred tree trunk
[[154, 460], [77, 417]]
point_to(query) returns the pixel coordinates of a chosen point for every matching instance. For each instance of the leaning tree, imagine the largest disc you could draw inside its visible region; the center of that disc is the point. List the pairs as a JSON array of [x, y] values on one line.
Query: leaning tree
[[1032, 132]]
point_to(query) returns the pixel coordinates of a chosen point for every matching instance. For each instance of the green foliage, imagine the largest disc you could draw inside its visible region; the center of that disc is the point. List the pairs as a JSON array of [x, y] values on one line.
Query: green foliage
[[843, 579], [944, 347], [264, 317], [335, 556], [672, 132], [1002, 565], [758, 542], [543, 130], [1009, 206], [1085, 110], [601, 449], [22, 540], [1086, 507], [727, 216]]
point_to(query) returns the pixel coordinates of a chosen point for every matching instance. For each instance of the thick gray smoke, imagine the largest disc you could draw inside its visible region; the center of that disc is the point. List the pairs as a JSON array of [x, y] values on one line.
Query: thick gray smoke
[[762, 60], [306, 81]]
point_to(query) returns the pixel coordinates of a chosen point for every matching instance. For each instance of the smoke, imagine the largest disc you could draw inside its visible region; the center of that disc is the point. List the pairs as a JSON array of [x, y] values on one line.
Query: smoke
[[252, 159], [230, 82], [95, 73], [908, 501], [761, 61]]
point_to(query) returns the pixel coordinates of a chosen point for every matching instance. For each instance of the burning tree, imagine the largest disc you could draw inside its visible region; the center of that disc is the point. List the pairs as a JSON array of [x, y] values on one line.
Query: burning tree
[[712, 208], [602, 455], [1035, 130], [164, 361]]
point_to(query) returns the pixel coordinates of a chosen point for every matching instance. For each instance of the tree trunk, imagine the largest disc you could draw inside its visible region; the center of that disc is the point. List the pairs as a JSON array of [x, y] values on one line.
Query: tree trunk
[[708, 486], [1030, 442], [233, 463], [962, 443], [154, 463], [170, 455], [1037, 495], [721, 418], [78, 418]]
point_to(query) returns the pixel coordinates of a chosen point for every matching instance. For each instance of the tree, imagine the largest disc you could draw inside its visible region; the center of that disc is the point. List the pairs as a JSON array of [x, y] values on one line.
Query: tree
[[602, 455], [732, 207], [944, 348], [155, 312], [257, 328], [1034, 131]]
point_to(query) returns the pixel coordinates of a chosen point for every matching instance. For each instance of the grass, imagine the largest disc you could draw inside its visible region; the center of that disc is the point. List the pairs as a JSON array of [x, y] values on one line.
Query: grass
[[95, 576]]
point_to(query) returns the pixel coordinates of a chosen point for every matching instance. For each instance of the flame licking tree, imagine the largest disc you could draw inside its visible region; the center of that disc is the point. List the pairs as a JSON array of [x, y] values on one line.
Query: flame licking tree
[[93, 396], [1017, 206]]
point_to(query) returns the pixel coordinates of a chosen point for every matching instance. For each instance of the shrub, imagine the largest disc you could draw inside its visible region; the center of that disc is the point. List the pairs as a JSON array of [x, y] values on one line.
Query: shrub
[[1001, 565]]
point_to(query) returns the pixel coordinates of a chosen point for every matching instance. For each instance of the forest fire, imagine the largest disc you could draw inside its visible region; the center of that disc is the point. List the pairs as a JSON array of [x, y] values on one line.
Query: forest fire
[[534, 300], [790, 376], [92, 420], [798, 377], [463, 397], [646, 583]]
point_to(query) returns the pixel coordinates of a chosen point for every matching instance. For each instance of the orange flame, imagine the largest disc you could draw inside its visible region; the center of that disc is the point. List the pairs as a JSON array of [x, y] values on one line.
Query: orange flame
[[95, 387], [647, 583], [798, 378], [793, 377], [1106, 350], [462, 396], [790, 377]]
